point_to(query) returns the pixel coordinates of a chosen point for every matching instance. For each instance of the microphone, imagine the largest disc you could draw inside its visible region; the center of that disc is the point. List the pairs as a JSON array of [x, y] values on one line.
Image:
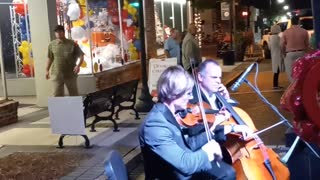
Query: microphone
[[237, 84]]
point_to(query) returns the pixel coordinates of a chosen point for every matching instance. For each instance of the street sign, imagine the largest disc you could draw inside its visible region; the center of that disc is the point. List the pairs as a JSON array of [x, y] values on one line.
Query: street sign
[[225, 11]]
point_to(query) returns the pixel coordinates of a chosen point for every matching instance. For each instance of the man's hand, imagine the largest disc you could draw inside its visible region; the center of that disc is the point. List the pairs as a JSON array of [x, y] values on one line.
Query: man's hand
[[223, 91], [213, 150], [47, 75], [222, 116], [76, 69], [246, 132]]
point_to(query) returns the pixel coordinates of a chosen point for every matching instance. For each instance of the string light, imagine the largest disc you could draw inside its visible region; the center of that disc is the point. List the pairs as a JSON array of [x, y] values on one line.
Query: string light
[[197, 22]]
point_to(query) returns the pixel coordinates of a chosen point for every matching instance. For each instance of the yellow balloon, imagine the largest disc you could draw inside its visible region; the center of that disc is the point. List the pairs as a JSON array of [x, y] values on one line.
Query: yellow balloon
[[84, 11], [95, 67], [78, 23], [82, 2], [137, 33], [84, 64], [90, 12], [134, 10], [125, 3], [25, 61], [134, 55]]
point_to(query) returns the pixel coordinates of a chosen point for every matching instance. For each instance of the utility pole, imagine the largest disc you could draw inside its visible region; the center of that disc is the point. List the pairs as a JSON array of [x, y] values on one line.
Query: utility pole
[[316, 20], [233, 23]]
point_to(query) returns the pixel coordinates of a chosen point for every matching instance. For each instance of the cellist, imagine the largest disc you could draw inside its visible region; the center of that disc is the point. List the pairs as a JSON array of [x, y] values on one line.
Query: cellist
[[164, 147], [209, 78]]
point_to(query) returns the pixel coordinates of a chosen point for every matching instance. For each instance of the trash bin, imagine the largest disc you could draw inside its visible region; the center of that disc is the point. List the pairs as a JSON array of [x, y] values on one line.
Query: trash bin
[[228, 57]]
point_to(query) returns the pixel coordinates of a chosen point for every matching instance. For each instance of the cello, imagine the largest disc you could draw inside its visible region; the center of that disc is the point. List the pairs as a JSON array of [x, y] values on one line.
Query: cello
[[251, 159]]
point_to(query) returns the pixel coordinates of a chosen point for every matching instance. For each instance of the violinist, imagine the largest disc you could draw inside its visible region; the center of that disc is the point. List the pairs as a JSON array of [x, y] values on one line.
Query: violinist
[[209, 79], [165, 150]]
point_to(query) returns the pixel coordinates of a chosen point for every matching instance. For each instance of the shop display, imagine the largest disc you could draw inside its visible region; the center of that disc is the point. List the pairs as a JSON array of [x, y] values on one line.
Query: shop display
[[95, 26], [21, 36]]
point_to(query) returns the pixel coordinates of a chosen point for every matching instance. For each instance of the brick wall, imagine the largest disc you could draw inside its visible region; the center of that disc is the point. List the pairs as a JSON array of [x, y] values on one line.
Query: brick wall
[[150, 29], [8, 112]]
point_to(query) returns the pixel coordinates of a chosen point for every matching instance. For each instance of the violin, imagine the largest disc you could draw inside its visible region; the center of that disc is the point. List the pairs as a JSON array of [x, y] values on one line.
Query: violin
[[192, 116]]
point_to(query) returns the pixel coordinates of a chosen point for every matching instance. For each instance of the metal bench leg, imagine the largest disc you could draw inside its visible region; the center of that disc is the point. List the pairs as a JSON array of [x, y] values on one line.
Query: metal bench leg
[[137, 114], [115, 125], [93, 129]]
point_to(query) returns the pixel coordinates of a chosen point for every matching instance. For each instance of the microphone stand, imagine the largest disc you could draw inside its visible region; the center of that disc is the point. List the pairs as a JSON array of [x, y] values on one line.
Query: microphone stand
[[284, 121]]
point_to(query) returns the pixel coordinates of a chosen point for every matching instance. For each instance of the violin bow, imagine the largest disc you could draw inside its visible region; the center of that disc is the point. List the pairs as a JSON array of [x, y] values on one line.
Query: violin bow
[[202, 111]]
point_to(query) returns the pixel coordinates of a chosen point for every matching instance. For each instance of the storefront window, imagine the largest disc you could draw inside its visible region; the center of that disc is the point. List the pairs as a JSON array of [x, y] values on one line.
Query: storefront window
[[169, 14], [95, 26], [16, 39]]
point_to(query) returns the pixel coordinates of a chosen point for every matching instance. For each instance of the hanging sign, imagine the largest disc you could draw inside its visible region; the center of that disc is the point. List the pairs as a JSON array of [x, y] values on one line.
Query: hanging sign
[[225, 11]]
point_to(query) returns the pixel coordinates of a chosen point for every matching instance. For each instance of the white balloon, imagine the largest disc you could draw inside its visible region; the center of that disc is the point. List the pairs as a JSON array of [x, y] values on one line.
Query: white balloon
[[77, 33], [73, 11]]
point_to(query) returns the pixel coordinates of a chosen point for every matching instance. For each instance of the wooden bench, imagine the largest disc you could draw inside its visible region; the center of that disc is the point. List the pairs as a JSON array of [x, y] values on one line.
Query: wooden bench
[[107, 100]]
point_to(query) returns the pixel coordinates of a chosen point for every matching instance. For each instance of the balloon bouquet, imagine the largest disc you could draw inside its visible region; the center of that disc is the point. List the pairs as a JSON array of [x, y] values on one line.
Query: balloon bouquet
[[103, 23], [25, 47]]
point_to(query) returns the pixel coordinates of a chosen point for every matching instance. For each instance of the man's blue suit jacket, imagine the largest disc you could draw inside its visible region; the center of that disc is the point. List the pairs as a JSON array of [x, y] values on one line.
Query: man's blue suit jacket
[[167, 153]]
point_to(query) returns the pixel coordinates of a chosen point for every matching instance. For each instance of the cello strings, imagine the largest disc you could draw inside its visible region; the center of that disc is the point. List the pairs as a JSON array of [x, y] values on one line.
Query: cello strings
[[205, 122]]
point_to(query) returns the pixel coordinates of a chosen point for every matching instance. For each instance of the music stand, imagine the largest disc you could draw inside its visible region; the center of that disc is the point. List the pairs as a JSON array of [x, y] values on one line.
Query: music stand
[[284, 121]]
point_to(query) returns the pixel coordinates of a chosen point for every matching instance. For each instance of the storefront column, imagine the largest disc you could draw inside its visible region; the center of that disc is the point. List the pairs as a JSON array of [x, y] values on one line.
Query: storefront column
[[150, 26], [43, 18], [190, 13]]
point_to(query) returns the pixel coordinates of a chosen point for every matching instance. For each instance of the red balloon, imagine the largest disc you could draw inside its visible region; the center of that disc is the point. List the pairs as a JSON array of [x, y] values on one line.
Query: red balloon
[[112, 4], [115, 20], [124, 14], [19, 9], [130, 33], [27, 71]]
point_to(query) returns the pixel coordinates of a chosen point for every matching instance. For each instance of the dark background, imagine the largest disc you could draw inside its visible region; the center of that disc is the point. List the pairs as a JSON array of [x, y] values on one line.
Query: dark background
[[6, 35]]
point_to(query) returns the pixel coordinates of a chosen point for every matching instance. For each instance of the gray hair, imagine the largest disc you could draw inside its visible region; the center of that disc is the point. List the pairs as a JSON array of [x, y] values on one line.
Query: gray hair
[[173, 83]]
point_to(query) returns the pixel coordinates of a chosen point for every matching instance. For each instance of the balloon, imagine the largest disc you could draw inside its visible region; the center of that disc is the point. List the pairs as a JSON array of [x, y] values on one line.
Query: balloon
[[112, 4], [129, 33], [124, 14], [24, 37], [77, 33], [137, 33], [27, 70], [78, 23], [84, 64], [19, 7], [25, 61], [82, 2], [95, 67], [137, 44], [73, 11], [115, 20], [129, 22]]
